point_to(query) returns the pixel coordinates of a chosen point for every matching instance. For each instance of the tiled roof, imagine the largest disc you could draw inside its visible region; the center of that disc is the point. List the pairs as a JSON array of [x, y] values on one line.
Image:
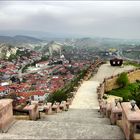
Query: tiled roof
[[30, 93], [2, 88]]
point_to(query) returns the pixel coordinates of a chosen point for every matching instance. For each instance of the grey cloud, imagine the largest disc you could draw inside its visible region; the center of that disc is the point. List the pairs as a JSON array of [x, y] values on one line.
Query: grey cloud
[[95, 19]]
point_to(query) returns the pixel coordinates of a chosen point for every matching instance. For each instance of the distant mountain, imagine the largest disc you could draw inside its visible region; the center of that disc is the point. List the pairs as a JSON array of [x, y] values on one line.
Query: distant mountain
[[98, 42], [82, 42], [19, 39], [49, 36]]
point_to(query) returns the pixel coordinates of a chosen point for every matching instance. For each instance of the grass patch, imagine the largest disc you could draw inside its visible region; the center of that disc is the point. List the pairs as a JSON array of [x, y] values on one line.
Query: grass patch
[[131, 91], [121, 92], [131, 63]]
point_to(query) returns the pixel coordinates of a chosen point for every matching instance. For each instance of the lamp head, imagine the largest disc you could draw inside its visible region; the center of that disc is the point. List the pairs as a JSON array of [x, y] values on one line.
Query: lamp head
[[133, 103], [116, 102]]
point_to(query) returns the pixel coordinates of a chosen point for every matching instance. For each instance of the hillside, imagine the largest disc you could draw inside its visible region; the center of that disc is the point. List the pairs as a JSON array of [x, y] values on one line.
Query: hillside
[[19, 39], [51, 47], [102, 43], [6, 50]]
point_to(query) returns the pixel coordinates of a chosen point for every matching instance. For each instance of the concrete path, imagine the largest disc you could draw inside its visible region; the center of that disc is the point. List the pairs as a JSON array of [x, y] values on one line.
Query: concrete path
[[106, 70], [86, 96]]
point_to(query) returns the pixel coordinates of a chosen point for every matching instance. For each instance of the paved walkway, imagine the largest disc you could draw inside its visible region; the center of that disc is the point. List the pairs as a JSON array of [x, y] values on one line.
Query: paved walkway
[[86, 97]]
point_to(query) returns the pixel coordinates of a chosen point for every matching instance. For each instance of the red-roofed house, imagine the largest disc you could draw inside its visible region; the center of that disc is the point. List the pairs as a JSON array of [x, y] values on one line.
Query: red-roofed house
[[3, 91], [34, 95]]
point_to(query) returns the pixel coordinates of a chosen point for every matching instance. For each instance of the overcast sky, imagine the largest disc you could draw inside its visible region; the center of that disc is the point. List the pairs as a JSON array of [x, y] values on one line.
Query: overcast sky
[[119, 19]]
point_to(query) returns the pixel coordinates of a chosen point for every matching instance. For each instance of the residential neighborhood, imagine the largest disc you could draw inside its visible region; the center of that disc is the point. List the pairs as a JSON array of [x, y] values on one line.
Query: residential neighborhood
[[28, 78]]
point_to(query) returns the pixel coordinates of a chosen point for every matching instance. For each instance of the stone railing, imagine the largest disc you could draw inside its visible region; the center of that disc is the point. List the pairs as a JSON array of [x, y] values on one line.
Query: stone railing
[[6, 114], [92, 68], [33, 111], [130, 120], [120, 113], [123, 115]]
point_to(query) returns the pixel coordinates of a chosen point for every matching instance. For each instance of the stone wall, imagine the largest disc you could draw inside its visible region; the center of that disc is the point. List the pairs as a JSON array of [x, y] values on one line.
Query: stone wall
[[110, 82]]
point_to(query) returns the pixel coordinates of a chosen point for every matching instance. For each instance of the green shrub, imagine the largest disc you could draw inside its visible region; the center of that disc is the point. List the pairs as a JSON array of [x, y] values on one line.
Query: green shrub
[[122, 80], [57, 96], [134, 87], [129, 92], [121, 92]]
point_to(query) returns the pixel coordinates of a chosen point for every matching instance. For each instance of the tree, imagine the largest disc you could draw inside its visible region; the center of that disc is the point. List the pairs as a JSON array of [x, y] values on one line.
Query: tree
[[57, 96], [122, 80]]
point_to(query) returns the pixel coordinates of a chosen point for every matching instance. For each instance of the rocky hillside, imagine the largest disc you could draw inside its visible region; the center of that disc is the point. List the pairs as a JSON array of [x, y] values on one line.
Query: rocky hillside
[[51, 47], [6, 50], [22, 41]]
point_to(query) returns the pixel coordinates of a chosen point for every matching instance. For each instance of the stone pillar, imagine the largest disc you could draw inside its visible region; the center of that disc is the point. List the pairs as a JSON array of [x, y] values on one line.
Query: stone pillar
[[33, 111], [56, 107], [6, 114], [115, 112], [108, 110], [48, 108], [129, 120], [103, 108], [63, 106], [102, 90]]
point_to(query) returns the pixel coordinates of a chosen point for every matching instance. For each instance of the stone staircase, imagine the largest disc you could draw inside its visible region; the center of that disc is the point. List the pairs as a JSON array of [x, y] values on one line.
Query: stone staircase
[[72, 124]]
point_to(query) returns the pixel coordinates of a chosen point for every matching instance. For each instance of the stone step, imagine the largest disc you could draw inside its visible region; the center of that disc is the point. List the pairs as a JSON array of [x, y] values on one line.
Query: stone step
[[74, 114], [77, 115], [65, 130], [7, 136], [76, 119], [81, 112]]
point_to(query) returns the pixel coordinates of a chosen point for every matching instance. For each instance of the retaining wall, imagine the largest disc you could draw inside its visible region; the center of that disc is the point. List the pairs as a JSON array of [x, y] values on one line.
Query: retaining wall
[[110, 82]]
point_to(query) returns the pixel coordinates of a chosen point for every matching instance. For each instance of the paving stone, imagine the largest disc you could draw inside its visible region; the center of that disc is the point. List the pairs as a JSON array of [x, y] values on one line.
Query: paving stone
[[65, 130]]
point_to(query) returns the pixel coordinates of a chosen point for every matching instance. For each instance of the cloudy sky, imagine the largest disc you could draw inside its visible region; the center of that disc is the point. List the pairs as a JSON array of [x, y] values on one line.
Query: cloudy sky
[[118, 19]]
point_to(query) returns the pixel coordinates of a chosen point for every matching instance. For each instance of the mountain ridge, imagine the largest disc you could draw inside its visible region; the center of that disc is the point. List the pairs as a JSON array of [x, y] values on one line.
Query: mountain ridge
[[19, 39]]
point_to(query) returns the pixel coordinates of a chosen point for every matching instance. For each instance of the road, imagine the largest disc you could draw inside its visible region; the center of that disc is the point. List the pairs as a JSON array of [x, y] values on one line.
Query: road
[[20, 74], [120, 55]]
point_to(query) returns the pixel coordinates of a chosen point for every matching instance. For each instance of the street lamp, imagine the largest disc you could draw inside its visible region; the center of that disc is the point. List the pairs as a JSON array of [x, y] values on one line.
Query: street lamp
[[116, 102], [133, 103]]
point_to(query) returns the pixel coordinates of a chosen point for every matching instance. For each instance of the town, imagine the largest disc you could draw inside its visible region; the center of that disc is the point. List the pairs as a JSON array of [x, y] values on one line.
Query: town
[[29, 77]]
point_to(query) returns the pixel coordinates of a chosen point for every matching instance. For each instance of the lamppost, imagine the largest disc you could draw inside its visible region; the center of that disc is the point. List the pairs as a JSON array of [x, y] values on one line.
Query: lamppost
[[133, 103], [116, 102]]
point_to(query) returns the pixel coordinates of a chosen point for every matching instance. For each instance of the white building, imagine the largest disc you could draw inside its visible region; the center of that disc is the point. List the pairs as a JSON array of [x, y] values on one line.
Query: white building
[[42, 64]]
